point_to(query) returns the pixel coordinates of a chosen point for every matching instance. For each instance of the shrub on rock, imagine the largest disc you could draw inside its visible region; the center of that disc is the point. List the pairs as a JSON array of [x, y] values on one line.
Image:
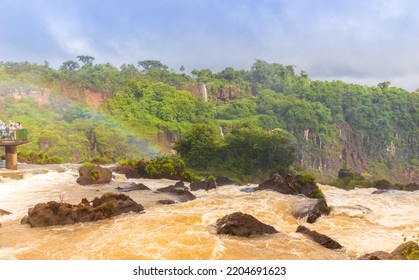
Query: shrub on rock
[[89, 175], [57, 213]]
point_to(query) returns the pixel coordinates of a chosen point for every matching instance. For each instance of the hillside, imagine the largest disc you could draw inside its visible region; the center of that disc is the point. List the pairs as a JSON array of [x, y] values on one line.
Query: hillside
[[84, 111]]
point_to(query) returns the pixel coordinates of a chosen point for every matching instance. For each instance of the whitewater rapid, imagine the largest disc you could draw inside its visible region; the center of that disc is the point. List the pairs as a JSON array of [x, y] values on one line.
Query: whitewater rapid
[[360, 221]]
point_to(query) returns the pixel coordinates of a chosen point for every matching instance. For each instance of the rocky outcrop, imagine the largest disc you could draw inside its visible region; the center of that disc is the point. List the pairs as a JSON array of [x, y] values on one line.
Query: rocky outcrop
[[322, 239], [206, 185], [4, 212], [89, 175], [291, 185], [241, 224], [299, 185], [412, 187], [222, 181], [131, 186], [402, 252], [55, 213], [312, 210], [129, 171], [179, 190], [378, 255], [345, 173], [166, 201]]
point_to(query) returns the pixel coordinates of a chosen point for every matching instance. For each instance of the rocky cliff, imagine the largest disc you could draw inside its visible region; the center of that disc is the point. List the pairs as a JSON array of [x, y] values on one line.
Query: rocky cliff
[[361, 152]]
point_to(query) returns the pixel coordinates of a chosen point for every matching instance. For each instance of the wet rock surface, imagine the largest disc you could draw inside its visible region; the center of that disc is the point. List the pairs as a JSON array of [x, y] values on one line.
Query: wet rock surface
[[58, 213], [89, 175], [322, 239], [244, 225]]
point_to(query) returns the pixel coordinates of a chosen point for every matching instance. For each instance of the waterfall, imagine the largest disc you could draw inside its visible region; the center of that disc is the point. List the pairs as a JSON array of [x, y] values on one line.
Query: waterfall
[[204, 92], [221, 131]]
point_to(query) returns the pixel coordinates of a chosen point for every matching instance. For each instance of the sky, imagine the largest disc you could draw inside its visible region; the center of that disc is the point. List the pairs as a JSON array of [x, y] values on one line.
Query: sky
[[357, 41]]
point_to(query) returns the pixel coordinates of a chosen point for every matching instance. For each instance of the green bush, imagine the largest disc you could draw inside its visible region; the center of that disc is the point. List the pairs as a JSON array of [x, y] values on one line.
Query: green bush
[[411, 253], [94, 174], [88, 164], [307, 178], [167, 167], [39, 158]]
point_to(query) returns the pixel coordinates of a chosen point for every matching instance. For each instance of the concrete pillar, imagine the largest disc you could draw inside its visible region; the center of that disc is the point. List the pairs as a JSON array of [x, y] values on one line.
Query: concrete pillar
[[11, 157]]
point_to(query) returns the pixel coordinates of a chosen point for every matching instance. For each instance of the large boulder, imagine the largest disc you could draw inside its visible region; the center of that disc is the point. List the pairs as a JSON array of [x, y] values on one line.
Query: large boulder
[[345, 173], [378, 255], [127, 170], [4, 212], [402, 252], [412, 187], [179, 190], [299, 185], [57, 213], [206, 184], [89, 175], [384, 185], [311, 210], [131, 186], [222, 181], [278, 183], [322, 239], [291, 185], [241, 224]]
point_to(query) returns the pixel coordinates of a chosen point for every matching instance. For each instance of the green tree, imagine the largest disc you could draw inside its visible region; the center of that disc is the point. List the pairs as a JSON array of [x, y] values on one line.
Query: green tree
[[200, 146]]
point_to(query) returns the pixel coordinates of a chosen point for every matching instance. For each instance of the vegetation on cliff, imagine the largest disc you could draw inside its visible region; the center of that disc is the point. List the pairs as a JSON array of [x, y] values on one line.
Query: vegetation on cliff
[[147, 107]]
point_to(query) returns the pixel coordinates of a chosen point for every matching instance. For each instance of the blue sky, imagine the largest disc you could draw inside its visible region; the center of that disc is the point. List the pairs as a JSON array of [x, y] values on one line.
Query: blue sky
[[360, 41]]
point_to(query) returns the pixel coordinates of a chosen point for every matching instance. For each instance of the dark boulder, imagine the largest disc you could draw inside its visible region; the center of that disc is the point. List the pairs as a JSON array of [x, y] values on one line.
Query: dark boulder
[[179, 190], [206, 185], [412, 187], [223, 181], [322, 239], [378, 255], [278, 183], [402, 252], [384, 185], [380, 191], [245, 225], [345, 173], [129, 171], [55, 213], [299, 185], [289, 184], [4, 212], [89, 175], [131, 186], [312, 210], [166, 201]]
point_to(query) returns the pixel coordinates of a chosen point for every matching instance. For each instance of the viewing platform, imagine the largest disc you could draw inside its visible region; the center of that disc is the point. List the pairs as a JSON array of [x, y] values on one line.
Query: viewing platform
[[10, 140]]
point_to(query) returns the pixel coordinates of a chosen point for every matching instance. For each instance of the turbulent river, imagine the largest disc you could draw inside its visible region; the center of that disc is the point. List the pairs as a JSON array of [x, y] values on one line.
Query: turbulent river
[[360, 221]]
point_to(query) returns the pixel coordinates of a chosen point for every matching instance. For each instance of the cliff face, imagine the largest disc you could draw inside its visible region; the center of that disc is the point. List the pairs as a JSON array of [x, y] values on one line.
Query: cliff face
[[362, 153], [86, 96], [70, 93]]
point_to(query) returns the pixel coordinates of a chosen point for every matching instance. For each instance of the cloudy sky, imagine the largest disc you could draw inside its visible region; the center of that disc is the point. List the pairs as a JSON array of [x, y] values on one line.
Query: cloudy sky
[[360, 41]]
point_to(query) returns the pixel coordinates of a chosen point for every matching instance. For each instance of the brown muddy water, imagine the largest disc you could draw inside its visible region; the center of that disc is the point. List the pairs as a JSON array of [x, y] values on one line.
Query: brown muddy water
[[360, 221]]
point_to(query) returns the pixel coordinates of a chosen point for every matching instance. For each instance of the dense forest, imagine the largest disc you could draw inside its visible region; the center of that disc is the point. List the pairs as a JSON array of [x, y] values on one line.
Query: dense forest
[[248, 122]]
